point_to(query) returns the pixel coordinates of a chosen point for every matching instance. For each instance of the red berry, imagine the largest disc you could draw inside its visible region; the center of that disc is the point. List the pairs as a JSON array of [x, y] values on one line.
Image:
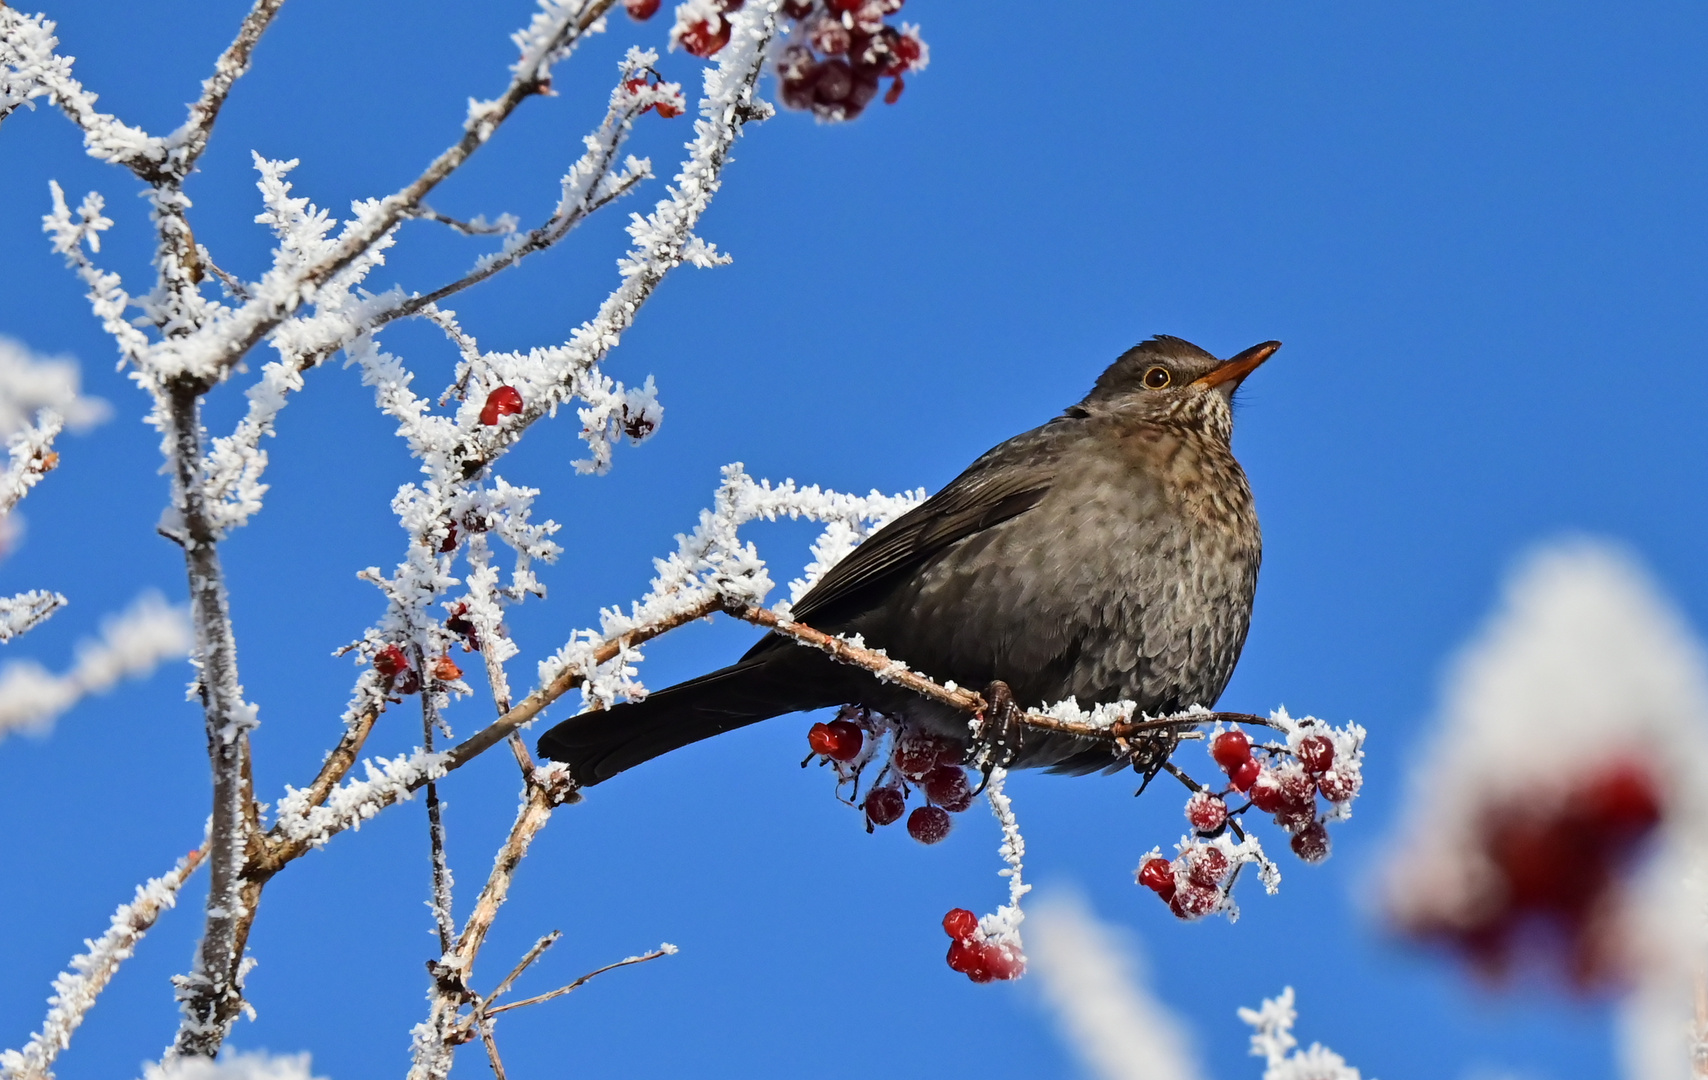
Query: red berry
[[501, 402], [884, 806], [1316, 754], [893, 94], [702, 41], [960, 924], [1245, 775], [845, 5], [406, 682], [917, 753], [846, 740], [449, 544], [821, 739], [1622, 798], [1311, 842], [929, 824], [641, 10], [390, 660], [1195, 901], [797, 9], [1338, 786], [640, 428], [1231, 749], [1298, 791], [446, 670], [1206, 866], [831, 38], [1206, 812], [1001, 961], [966, 957], [1266, 792], [946, 785], [1157, 875]]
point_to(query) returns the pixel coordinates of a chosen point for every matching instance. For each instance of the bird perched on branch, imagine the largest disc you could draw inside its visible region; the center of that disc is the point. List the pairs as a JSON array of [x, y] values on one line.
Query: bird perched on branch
[[1110, 554]]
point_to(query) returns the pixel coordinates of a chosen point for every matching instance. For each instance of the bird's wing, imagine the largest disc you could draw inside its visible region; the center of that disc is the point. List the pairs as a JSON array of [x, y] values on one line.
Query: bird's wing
[[1005, 482]]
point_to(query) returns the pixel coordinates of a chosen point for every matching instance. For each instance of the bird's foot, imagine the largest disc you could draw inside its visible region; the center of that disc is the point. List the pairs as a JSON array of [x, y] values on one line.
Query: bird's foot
[[996, 740]]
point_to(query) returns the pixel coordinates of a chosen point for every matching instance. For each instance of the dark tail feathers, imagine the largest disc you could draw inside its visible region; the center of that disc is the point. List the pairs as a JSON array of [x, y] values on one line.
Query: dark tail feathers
[[598, 745]]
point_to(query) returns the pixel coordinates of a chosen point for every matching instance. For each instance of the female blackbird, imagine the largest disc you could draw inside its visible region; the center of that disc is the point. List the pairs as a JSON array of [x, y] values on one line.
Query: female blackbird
[[1110, 554]]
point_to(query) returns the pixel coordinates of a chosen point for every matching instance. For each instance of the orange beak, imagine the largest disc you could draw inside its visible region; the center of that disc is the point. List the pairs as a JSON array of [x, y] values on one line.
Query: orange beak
[[1238, 367]]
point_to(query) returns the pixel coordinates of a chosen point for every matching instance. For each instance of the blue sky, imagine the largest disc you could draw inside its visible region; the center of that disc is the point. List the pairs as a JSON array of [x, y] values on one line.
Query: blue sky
[[1479, 233]]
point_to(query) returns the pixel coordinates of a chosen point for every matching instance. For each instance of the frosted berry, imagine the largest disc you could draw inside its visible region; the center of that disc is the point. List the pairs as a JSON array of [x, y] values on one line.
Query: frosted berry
[[846, 740], [797, 9], [1157, 875], [449, 544], [1311, 842], [1206, 866], [946, 785], [503, 401], [639, 427], [966, 957], [702, 41], [1001, 961], [1231, 749], [1298, 790], [1316, 754], [929, 824], [406, 682], [1245, 775], [1206, 812], [390, 660], [1338, 786], [1266, 793], [1195, 901], [884, 806], [917, 754], [641, 10], [446, 670], [831, 38], [960, 924]]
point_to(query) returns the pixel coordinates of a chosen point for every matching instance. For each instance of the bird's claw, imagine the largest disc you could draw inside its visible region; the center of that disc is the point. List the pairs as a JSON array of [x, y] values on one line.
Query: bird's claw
[[996, 740]]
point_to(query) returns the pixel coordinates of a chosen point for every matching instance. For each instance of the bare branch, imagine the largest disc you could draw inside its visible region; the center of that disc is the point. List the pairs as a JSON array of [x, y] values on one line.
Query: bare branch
[[662, 950], [522, 965], [188, 142]]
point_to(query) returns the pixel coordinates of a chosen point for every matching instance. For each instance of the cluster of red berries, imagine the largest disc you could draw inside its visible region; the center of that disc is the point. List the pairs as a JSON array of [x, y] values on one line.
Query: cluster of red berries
[[393, 666], [667, 109], [976, 956], [702, 28], [503, 401], [917, 761], [842, 48], [1557, 860], [1288, 790], [1195, 884]]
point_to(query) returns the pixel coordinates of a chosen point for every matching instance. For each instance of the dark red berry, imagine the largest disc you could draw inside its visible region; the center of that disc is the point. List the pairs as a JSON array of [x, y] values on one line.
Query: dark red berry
[[1266, 792], [1298, 790], [1316, 754], [917, 753], [831, 38], [1621, 798], [449, 543], [406, 682], [641, 10], [390, 660], [946, 785], [1195, 901], [929, 824], [1206, 866], [1245, 775], [702, 41], [797, 9], [845, 5], [960, 924], [1206, 812], [893, 94], [821, 739], [966, 957], [884, 806], [908, 51], [1311, 842], [501, 402], [1157, 875], [1231, 749], [835, 81], [846, 740], [1337, 786]]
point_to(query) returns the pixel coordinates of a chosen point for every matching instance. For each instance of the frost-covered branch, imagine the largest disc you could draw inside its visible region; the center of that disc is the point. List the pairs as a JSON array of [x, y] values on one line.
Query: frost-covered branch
[[75, 991], [132, 643], [1272, 1039]]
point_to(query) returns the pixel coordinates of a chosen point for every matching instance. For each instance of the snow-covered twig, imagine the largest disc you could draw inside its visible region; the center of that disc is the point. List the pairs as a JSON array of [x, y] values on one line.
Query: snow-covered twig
[[1003, 927], [75, 991], [132, 643], [665, 949], [1272, 1039], [24, 612]]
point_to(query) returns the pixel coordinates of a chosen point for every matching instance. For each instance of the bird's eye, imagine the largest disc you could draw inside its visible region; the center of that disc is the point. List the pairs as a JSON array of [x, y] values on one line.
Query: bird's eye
[[1157, 378]]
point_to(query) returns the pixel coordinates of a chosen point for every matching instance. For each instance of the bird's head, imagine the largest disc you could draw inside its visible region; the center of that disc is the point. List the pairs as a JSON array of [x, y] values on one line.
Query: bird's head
[[1175, 380]]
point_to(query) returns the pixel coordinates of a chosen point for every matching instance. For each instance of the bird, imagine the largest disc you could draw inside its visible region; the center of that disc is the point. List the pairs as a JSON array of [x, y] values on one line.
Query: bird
[[1110, 554]]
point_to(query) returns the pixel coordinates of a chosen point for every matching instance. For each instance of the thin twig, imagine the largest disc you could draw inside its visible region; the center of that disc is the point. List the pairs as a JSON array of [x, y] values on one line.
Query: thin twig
[[562, 990], [522, 965]]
